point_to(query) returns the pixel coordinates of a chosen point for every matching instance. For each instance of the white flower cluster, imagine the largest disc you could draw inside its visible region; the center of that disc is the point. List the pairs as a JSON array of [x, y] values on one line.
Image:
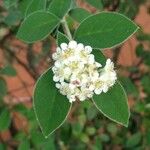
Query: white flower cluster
[[78, 75]]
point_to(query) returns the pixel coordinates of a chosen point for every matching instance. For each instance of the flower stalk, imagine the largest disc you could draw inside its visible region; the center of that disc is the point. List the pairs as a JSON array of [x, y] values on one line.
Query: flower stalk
[[66, 28]]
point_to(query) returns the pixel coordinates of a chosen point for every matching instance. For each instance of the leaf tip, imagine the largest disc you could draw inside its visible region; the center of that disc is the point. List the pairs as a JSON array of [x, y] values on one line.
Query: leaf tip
[[126, 124]]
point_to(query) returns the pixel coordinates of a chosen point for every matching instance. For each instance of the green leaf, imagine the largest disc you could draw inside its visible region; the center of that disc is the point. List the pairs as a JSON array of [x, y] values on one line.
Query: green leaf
[[143, 37], [51, 108], [108, 103], [91, 113], [9, 3], [134, 140], [23, 5], [61, 38], [4, 119], [36, 5], [98, 144], [79, 14], [113, 104], [140, 50], [104, 137], [39, 142], [8, 70], [145, 81], [77, 129], [2, 146], [112, 128], [129, 8], [24, 145], [37, 138], [3, 88], [90, 131], [37, 26], [99, 56], [105, 30], [129, 86], [96, 3], [143, 53], [148, 137], [84, 138], [59, 7], [13, 17]]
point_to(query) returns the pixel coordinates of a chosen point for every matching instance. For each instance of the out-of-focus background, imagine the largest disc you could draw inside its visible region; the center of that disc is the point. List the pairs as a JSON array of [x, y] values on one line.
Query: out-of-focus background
[[86, 128]]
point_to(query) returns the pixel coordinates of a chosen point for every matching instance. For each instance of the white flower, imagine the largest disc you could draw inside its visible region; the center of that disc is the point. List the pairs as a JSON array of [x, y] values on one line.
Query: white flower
[[72, 44], [109, 65], [64, 46], [78, 75], [80, 47], [91, 59], [88, 49]]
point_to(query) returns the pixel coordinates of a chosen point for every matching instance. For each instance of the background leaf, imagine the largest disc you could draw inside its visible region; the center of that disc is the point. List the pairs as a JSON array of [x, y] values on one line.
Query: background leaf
[[145, 81], [4, 119], [61, 38], [40, 142], [105, 30], [50, 106], [13, 17], [24, 145], [99, 56], [96, 3], [37, 26], [9, 3], [36, 5], [23, 5], [79, 14], [59, 7], [8, 70], [129, 86], [3, 87], [133, 140]]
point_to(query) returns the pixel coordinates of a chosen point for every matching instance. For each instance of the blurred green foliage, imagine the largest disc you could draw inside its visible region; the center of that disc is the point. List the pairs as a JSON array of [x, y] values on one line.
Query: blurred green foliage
[[85, 129]]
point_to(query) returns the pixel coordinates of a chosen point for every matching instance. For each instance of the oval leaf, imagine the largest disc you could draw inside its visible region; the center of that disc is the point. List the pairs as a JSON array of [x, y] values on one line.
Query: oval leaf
[[112, 104], [37, 26], [105, 30], [36, 5], [51, 108], [59, 7], [61, 38]]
